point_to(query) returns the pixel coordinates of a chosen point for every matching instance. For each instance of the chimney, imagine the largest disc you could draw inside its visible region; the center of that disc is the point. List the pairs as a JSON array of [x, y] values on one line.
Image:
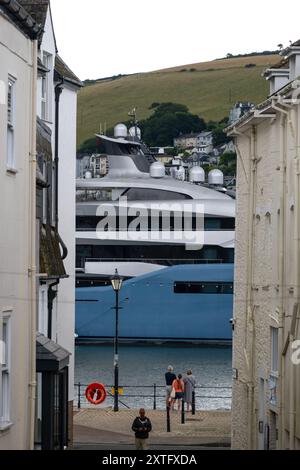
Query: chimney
[[278, 75], [292, 53]]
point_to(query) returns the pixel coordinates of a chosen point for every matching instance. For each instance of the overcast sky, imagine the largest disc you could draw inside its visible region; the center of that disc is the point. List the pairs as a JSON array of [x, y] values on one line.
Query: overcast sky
[[99, 38]]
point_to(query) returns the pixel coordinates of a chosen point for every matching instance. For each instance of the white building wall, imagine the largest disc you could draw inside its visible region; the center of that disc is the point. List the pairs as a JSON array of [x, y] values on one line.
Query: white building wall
[[66, 197], [16, 59]]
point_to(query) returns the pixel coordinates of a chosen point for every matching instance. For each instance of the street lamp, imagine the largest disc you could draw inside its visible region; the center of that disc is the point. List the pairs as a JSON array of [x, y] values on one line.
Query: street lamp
[[116, 282]]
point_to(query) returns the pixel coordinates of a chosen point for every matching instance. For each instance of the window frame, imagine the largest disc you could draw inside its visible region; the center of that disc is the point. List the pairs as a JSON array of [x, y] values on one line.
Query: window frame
[[5, 376], [11, 122], [274, 366], [46, 105]]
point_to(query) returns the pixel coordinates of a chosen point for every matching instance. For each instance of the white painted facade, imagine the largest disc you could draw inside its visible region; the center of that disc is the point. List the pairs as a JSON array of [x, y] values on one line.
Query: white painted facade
[[15, 307], [66, 214], [63, 325]]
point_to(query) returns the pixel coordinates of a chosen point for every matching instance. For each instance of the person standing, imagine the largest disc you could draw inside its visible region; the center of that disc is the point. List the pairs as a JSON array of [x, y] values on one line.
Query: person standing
[[170, 377], [189, 387], [142, 427], [178, 386]]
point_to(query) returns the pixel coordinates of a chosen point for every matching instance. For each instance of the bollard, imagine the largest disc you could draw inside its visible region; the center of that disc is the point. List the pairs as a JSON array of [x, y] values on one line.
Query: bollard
[[79, 391], [182, 412], [154, 397], [193, 403], [79, 404], [168, 419]]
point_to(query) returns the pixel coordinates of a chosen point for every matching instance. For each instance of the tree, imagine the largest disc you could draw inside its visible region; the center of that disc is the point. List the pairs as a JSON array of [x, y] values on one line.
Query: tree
[[168, 121], [228, 163], [219, 136]]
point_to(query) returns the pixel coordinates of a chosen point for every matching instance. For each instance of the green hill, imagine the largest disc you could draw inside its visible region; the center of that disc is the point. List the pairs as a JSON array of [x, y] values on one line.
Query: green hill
[[209, 89]]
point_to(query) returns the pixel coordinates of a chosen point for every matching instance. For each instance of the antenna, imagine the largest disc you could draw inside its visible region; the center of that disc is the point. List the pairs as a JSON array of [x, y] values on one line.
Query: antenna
[[133, 114]]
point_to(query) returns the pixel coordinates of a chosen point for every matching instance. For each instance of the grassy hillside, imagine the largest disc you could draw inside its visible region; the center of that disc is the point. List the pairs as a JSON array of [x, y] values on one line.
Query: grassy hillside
[[209, 89]]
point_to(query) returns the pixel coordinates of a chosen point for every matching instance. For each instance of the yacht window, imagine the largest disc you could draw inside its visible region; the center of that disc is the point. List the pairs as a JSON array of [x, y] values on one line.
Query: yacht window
[[219, 223], [150, 194], [101, 195], [203, 287]]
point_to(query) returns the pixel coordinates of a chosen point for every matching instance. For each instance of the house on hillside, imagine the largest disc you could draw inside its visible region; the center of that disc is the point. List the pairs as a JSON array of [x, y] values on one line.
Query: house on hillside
[[204, 142], [266, 385], [186, 141], [239, 110], [200, 142]]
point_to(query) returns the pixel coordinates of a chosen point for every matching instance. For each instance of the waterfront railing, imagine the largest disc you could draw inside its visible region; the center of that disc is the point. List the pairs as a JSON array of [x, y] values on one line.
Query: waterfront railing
[[154, 396]]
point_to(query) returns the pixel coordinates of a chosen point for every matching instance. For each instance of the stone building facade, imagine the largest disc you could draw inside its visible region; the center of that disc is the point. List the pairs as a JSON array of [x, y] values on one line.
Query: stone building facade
[[266, 347]]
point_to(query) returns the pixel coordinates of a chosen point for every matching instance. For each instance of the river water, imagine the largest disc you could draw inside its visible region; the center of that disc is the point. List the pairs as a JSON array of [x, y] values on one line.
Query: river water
[[146, 365]]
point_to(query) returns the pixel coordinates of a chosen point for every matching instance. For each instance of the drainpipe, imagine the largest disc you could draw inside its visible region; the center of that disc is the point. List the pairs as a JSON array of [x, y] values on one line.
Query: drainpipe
[[33, 264]]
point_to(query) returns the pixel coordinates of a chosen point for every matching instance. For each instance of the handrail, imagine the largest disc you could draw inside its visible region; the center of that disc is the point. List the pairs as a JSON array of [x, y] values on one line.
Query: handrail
[[154, 395], [154, 260]]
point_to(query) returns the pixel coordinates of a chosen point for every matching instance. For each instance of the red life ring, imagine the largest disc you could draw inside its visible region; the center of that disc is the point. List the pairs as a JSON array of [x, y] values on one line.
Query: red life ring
[[95, 393]]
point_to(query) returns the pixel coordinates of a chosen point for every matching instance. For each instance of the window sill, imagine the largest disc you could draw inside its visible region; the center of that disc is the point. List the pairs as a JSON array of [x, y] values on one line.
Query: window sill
[[47, 121], [11, 171], [5, 426]]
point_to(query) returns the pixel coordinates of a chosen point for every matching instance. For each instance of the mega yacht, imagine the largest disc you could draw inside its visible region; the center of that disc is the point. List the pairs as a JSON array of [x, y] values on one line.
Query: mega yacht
[[172, 241]]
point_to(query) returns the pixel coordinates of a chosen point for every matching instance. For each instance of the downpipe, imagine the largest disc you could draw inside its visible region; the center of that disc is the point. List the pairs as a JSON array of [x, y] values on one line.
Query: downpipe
[[33, 266]]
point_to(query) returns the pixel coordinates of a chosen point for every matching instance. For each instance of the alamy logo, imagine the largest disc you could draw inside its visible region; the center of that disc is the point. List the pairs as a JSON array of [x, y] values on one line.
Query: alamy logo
[[154, 222], [296, 353]]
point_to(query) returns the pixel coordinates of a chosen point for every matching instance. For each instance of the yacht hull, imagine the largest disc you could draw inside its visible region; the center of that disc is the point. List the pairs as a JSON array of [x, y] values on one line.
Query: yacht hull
[[152, 309]]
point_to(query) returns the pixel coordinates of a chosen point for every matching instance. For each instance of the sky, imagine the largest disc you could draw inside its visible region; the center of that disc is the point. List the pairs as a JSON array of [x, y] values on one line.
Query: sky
[[101, 38]]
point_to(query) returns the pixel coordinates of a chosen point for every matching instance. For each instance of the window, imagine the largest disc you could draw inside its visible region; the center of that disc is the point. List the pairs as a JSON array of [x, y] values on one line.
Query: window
[[11, 98], [223, 223], [274, 350], [149, 194], [5, 372], [203, 287], [46, 88]]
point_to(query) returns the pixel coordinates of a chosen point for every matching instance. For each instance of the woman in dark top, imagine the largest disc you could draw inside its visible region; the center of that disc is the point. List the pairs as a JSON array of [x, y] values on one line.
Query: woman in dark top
[[170, 377]]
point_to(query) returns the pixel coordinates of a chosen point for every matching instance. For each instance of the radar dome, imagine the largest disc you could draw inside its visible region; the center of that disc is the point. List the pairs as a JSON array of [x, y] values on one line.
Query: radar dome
[[135, 132], [120, 131], [157, 170], [197, 175], [216, 178]]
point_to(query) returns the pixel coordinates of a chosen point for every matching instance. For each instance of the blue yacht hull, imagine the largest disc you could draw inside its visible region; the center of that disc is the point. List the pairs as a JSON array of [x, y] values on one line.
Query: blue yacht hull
[[154, 309]]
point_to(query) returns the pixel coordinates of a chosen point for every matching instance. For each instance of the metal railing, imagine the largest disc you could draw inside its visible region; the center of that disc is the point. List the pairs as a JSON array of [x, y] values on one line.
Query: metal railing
[[152, 396], [161, 261]]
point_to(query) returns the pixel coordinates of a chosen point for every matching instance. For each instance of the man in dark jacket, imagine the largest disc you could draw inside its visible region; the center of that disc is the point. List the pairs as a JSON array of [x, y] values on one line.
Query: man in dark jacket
[[141, 426]]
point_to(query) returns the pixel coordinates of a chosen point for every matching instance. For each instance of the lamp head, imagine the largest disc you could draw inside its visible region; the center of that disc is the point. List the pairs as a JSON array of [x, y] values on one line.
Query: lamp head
[[116, 281]]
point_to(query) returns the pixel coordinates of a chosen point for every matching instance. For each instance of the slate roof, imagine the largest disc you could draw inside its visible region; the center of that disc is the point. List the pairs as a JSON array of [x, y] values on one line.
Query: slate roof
[[37, 9], [50, 356], [51, 262], [297, 43], [283, 64], [21, 17], [63, 71]]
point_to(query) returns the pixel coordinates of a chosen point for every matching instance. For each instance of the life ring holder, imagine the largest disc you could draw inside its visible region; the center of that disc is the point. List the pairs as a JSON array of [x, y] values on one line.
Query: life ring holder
[[95, 393]]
